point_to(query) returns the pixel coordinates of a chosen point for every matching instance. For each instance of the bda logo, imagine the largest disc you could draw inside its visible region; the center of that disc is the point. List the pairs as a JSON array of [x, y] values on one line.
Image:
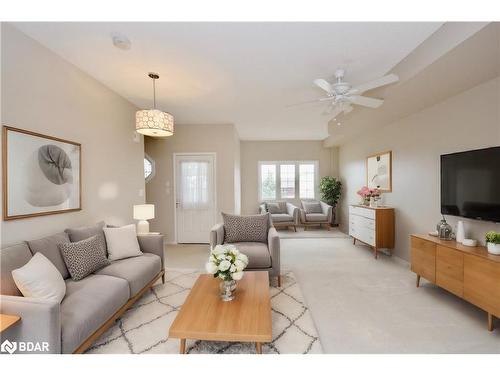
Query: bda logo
[[9, 347]]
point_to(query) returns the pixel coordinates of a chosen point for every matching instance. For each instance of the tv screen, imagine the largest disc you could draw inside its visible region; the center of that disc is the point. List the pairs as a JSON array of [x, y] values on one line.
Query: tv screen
[[470, 184]]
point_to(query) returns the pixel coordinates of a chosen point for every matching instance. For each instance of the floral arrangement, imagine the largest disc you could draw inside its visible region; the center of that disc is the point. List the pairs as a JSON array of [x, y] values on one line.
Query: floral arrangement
[[226, 262], [366, 193], [493, 237]]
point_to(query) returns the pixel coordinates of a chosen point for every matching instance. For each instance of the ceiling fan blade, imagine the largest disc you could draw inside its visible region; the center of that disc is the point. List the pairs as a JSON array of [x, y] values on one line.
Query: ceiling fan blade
[[366, 101], [323, 84], [347, 108], [390, 78], [336, 111]]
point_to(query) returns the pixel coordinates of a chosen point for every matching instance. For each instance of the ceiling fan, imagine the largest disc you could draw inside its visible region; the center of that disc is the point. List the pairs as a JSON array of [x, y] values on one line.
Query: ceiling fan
[[341, 94]]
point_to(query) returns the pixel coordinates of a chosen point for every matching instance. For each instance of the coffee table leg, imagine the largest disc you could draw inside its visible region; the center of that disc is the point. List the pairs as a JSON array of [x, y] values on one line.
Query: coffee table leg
[[258, 348], [183, 346]]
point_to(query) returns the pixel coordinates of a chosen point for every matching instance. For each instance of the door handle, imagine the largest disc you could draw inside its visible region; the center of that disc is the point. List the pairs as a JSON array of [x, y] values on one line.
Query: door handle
[[177, 204]]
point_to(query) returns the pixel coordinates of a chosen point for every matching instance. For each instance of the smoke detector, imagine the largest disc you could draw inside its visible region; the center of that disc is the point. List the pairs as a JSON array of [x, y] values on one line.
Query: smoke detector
[[121, 41]]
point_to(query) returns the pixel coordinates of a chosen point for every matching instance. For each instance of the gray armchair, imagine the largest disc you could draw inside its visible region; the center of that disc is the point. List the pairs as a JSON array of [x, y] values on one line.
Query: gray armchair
[[261, 256], [315, 213], [283, 214]]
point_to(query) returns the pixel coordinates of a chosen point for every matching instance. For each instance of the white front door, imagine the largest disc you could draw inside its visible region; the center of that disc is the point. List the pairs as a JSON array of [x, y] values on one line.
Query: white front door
[[194, 197]]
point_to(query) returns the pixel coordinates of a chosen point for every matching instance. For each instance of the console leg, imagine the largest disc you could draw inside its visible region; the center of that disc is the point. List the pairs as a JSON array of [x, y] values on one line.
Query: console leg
[[354, 240], [490, 322], [182, 349], [418, 281]]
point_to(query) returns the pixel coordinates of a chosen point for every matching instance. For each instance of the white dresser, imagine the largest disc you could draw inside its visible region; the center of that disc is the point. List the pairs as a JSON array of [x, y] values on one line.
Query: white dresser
[[373, 226]]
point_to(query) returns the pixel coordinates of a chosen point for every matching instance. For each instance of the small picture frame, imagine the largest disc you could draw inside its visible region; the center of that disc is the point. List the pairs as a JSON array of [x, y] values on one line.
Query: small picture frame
[[379, 171], [41, 174]]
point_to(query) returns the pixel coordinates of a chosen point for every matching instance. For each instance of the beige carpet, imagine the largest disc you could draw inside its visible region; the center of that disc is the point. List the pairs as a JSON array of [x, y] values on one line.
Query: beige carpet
[[144, 328]]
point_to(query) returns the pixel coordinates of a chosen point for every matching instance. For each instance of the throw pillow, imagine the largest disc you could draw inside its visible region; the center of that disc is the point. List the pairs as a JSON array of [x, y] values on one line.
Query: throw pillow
[[273, 208], [312, 207], [39, 278], [82, 233], [252, 228], [122, 242], [84, 257]]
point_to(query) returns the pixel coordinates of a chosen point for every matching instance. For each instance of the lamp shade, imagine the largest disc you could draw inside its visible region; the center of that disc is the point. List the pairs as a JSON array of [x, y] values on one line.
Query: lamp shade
[[154, 123], [144, 211]]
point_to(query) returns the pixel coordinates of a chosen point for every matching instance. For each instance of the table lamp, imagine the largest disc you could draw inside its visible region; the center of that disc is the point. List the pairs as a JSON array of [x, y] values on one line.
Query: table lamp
[[143, 212]]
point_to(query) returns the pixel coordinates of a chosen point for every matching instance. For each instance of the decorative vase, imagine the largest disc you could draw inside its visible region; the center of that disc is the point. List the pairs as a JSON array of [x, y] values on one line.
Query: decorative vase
[[366, 201], [227, 289], [493, 248], [460, 236], [373, 202]]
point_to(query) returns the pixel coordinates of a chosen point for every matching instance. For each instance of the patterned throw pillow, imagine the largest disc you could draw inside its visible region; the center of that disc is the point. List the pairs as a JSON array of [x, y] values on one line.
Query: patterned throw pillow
[[84, 257], [252, 228], [312, 207]]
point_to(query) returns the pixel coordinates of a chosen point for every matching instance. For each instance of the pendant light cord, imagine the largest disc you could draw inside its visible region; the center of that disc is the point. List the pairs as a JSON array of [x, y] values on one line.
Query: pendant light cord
[[154, 93]]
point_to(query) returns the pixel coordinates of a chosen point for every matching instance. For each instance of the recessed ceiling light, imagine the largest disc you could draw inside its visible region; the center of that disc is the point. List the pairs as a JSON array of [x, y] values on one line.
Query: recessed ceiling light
[[121, 41]]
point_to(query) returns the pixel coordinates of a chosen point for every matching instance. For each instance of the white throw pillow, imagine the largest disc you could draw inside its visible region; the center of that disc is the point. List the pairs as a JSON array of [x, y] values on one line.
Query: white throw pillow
[[39, 278], [122, 242]]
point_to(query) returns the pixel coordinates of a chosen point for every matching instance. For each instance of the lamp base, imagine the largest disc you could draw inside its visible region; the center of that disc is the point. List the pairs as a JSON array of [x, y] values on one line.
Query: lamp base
[[142, 227]]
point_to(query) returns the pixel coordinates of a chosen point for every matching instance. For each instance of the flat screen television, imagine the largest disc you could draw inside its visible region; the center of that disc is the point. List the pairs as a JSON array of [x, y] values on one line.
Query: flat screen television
[[470, 184]]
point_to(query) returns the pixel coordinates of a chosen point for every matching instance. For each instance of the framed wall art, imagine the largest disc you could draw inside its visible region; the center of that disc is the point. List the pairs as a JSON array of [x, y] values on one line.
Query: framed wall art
[[379, 171], [41, 174]]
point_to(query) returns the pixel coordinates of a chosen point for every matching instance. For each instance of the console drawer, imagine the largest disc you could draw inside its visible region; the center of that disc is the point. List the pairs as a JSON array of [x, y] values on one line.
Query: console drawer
[[450, 270], [423, 258]]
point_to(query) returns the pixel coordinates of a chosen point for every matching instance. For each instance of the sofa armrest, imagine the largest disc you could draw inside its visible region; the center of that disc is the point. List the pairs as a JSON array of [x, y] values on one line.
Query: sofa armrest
[[262, 208], [217, 235], [273, 242], [293, 211], [302, 213], [327, 210], [40, 321], [153, 244]]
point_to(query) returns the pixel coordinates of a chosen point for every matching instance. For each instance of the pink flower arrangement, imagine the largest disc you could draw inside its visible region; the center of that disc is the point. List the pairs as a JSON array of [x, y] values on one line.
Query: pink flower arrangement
[[365, 192]]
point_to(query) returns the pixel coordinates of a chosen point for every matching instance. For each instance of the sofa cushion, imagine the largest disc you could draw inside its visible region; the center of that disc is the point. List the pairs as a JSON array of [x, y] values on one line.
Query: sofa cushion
[[87, 305], [49, 246], [257, 253], [251, 228], [138, 271], [84, 257], [282, 218], [82, 233], [316, 218], [122, 242], [11, 258], [312, 207]]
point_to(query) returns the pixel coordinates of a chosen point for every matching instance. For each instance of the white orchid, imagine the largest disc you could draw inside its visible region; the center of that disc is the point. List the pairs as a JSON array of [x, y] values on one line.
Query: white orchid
[[226, 262]]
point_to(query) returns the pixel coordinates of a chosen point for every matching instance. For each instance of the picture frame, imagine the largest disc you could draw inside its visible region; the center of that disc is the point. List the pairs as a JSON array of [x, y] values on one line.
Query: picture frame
[[41, 174], [379, 171]]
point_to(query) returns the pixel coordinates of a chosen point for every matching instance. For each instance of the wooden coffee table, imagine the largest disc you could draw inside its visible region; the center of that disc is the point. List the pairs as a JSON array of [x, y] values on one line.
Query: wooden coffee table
[[247, 318]]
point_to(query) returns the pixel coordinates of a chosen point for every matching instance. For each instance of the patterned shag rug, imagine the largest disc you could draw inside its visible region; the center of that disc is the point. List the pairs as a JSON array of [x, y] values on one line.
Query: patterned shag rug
[[144, 327]]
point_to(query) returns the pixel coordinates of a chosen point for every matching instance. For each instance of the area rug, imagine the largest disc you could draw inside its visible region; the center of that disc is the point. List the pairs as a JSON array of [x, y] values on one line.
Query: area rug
[[144, 327], [311, 233]]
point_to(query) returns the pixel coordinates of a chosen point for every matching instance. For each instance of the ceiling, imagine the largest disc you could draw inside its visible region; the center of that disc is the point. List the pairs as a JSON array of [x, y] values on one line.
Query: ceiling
[[240, 73]]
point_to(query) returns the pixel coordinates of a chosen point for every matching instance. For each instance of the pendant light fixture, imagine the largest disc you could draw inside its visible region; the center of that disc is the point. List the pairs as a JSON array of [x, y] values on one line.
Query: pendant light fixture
[[153, 122]]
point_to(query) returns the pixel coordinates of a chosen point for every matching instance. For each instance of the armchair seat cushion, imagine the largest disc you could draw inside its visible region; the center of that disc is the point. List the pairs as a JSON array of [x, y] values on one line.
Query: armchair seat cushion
[[87, 305], [257, 253], [137, 271], [316, 218], [282, 218]]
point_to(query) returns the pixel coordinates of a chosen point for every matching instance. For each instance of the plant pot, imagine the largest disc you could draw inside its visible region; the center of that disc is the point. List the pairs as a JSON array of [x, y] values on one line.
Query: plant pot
[[493, 248]]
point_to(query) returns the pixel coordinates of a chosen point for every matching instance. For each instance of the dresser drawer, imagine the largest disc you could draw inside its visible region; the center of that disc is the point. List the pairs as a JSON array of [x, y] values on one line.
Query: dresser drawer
[[362, 222], [360, 211], [423, 258], [450, 270]]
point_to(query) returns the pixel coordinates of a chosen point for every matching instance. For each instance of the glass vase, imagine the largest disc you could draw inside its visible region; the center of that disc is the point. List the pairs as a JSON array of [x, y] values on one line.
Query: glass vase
[[227, 289]]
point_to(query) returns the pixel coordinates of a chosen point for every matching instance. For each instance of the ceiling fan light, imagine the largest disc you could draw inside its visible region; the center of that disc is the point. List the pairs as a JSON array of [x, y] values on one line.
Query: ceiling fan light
[[154, 123]]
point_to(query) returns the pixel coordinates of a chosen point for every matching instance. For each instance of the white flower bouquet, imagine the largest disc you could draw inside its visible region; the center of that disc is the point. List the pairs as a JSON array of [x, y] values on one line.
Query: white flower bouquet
[[226, 262]]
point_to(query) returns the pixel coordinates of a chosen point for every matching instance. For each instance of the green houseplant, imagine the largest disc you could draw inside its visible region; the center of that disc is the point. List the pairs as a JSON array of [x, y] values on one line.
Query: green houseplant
[[493, 242], [330, 189]]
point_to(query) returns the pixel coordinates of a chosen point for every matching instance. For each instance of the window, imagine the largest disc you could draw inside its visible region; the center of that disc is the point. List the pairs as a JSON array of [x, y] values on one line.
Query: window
[[306, 178], [288, 180], [149, 168]]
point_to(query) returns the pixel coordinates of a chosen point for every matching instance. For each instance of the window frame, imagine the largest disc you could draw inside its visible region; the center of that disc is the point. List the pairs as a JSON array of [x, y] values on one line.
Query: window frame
[[278, 164]]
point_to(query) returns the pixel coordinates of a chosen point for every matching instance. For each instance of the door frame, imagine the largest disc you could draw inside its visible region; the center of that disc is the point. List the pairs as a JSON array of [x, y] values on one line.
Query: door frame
[[175, 157]]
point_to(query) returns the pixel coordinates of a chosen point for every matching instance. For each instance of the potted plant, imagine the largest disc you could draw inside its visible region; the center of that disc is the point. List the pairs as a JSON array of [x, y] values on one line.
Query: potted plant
[[493, 242], [226, 263], [330, 189]]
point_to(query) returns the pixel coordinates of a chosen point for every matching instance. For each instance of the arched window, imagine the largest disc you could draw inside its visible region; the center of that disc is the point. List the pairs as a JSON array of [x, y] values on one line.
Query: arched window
[[149, 167]]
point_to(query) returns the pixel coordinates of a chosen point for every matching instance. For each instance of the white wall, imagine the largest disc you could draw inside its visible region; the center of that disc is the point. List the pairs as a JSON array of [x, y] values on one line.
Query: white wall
[[44, 93], [466, 121], [221, 140], [254, 151]]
